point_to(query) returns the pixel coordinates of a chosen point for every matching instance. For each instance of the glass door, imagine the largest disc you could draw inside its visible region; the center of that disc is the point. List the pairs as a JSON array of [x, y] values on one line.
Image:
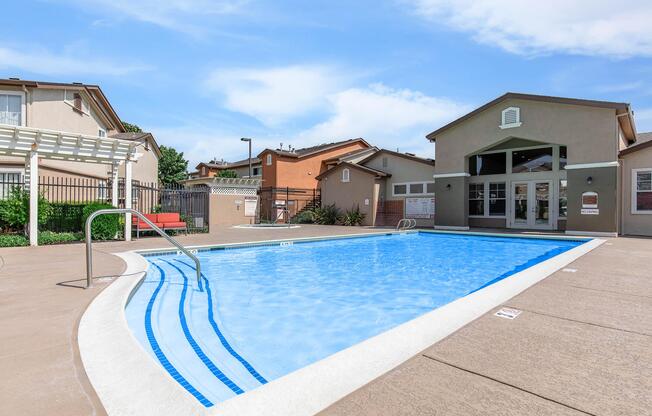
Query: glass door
[[531, 205]]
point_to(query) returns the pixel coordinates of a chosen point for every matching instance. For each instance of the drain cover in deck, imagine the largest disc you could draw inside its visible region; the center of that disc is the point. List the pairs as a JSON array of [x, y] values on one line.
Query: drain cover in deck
[[508, 313]]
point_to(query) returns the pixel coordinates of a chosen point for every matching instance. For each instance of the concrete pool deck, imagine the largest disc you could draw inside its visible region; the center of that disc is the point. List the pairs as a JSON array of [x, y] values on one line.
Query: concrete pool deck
[[583, 344]]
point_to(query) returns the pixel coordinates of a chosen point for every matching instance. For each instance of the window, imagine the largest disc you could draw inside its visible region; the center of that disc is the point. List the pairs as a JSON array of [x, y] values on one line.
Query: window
[[346, 175], [416, 188], [430, 188], [532, 160], [101, 133], [510, 117], [497, 199], [563, 198], [384, 161], [488, 164], [400, 189], [11, 109], [269, 159], [642, 191], [75, 100], [255, 171], [476, 199], [9, 180], [562, 157]]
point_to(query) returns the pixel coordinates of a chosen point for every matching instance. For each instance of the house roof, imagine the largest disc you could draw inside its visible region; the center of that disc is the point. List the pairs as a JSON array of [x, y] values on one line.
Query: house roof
[[335, 159], [643, 141], [627, 123], [377, 173], [408, 156], [227, 165], [307, 151], [139, 137], [99, 100]]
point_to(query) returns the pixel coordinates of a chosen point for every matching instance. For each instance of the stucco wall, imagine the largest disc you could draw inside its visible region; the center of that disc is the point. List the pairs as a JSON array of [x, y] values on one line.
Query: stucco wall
[[604, 182], [223, 210], [589, 133], [634, 224], [347, 195]]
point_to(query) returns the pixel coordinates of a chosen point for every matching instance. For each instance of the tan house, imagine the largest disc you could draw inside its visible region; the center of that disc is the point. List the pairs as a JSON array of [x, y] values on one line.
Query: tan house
[[539, 162], [385, 185], [636, 177], [75, 108]]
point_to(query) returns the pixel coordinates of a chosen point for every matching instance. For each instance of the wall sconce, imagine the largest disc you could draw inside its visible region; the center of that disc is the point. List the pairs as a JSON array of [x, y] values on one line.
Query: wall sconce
[[448, 187], [589, 180]]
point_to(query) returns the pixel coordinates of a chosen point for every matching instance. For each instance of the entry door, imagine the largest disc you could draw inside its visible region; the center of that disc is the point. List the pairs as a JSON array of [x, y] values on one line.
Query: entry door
[[531, 205]]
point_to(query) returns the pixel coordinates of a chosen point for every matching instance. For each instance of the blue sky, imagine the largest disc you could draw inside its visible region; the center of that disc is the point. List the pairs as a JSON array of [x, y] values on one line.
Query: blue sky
[[200, 74]]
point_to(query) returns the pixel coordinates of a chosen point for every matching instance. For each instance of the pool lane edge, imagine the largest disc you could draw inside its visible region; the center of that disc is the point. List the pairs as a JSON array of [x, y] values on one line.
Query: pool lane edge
[[129, 381]]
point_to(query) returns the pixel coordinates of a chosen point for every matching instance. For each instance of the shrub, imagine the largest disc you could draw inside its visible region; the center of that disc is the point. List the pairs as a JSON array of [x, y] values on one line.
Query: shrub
[[65, 217], [50, 237], [353, 217], [13, 240], [305, 217], [14, 211], [105, 227], [327, 215]]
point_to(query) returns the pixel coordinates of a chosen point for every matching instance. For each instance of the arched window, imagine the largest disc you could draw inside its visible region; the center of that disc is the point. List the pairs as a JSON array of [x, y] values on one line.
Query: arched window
[[345, 175], [269, 159]]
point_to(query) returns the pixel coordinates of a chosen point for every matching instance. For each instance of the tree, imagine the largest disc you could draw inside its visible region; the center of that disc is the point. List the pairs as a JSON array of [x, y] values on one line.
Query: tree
[[131, 128], [227, 173], [171, 166]]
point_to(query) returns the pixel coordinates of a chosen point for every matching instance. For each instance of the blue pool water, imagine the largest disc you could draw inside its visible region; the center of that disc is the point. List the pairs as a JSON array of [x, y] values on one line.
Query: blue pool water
[[266, 311]]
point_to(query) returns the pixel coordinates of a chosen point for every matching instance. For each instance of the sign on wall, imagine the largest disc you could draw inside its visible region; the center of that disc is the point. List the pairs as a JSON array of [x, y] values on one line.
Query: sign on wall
[[250, 205], [420, 208], [590, 203]]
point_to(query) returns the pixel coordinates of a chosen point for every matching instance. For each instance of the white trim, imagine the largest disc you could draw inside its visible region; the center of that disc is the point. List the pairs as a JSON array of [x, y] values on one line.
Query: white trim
[[347, 177], [407, 188], [592, 165], [592, 233], [23, 105], [129, 381], [450, 175], [268, 159], [504, 125], [635, 191], [451, 227]]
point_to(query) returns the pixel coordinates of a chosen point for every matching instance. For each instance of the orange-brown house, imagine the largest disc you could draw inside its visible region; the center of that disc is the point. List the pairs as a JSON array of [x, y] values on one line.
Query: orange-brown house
[[289, 176]]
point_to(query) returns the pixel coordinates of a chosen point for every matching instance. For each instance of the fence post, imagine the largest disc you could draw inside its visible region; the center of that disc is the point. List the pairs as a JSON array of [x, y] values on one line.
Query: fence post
[[114, 186], [128, 199], [33, 198]]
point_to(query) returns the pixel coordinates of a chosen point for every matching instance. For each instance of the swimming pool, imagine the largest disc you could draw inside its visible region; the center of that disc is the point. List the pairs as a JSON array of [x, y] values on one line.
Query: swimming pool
[[266, 311]]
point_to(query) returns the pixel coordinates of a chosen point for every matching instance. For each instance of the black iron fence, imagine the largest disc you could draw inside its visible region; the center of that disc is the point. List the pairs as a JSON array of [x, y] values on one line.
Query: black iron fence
[[274, 201], [69, 196]]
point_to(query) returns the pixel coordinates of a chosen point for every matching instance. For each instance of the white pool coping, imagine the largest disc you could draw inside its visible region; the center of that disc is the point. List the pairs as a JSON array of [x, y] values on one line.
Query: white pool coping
[[129, 381]]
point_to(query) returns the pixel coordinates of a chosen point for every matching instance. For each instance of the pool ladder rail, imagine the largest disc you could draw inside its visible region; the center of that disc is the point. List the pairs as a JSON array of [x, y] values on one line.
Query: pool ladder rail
[[89, 249], [406, 224]]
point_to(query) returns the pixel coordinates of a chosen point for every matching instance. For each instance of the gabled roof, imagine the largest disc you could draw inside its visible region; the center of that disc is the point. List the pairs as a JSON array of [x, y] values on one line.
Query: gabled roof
[[99, 100], [408, 156], [643, 141], [228, 165], [377, 173], [140, 137], [307, 151], [348, 155], [627, 123]]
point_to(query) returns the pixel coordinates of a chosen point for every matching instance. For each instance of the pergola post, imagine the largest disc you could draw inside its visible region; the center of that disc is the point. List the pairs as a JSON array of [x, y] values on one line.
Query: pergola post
[[115, 201], [32, 160], [128, 199]]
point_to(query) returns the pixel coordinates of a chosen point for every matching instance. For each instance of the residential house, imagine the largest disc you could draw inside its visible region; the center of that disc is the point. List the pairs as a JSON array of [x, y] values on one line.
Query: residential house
[[70, 108], [241, 168], [385, 185], [538, 162]]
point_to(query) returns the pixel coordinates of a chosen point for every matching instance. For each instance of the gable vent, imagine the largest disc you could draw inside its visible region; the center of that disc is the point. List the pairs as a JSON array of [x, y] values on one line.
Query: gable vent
[[511, 117]]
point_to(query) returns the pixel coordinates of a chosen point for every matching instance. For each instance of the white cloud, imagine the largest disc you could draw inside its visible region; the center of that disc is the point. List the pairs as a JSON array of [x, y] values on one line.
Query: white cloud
[[590, 27], [275, 95], [387, 117], [45, 62]]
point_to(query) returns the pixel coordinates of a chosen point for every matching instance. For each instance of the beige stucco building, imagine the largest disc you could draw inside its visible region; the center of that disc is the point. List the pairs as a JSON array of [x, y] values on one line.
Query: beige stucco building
[[70, 108], [539, 162]]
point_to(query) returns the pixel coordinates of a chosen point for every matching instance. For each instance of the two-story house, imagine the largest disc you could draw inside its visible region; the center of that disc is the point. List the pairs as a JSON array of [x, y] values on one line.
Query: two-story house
[[71, 108], [240, 167]]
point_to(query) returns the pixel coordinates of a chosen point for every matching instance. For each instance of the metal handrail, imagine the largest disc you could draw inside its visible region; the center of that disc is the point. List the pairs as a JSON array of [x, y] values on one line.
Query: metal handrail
[[89, 250], [411, 223]]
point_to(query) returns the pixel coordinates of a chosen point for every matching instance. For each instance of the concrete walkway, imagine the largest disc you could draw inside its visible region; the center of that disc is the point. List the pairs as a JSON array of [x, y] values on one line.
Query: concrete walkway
[[583, 344]]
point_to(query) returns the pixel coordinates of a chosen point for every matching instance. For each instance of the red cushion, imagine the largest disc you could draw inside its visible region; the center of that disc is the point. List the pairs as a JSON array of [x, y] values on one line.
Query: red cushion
[[151, 217], [168, 217], [143, 225], [176, 224]]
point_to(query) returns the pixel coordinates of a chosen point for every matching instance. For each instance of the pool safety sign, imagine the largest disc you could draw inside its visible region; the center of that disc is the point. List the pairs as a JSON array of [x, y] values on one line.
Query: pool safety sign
[[590, 204], [508, 313], [250, 205], [420, 208]]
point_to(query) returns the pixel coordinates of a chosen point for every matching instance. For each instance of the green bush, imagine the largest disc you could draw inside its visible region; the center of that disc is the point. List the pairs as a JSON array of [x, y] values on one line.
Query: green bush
[[305, 217], [353, 217], [13, 240], [14, 211], [50, 237], [327, 215], [65, 217], [105, 227]]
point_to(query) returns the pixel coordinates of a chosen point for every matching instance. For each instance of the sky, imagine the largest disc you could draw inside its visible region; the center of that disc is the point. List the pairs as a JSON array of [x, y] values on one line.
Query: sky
[[200, 74]]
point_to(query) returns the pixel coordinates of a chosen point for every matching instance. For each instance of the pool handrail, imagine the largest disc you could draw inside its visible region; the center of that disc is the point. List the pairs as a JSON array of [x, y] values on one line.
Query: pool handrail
[[410, 224], [89, 240]]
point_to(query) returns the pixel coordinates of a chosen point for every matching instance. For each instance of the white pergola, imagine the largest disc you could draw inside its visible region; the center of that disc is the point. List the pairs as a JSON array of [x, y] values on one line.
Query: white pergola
[[32, 143]]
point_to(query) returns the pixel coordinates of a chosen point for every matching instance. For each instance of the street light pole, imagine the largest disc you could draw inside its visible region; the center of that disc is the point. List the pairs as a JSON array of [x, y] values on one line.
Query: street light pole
[[244, 139]]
